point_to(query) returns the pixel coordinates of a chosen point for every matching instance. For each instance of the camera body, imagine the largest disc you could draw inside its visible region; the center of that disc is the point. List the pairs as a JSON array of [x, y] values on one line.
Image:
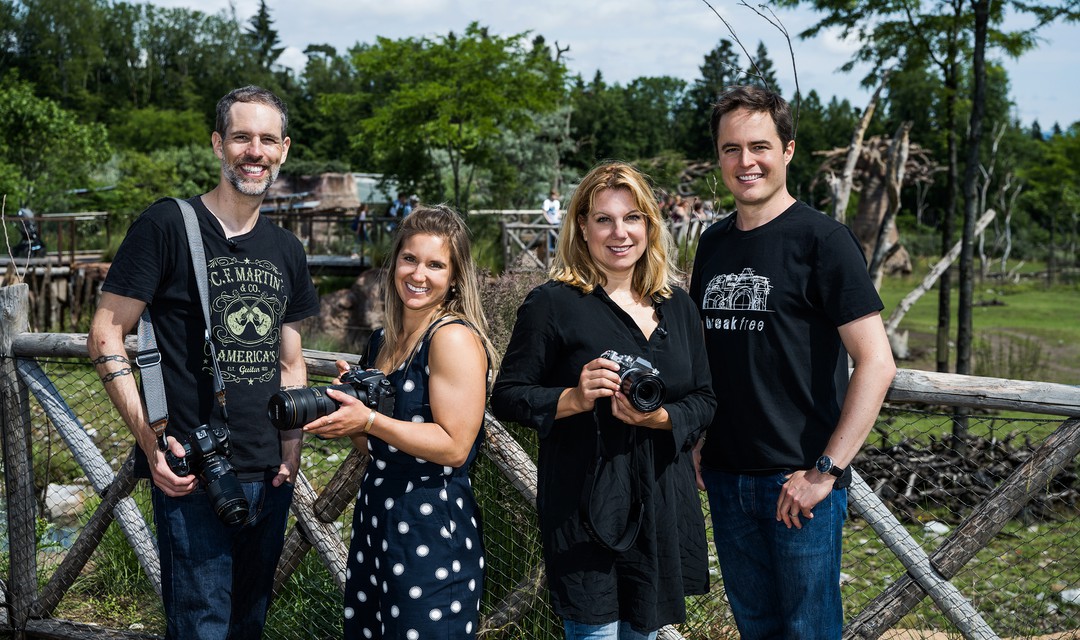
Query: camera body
[[206, 454], [293, 408], [639, 381]]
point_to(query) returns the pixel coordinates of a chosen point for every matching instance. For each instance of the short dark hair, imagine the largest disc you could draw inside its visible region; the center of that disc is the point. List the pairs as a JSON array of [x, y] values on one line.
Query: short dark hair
[[756, 100], [250, 93]]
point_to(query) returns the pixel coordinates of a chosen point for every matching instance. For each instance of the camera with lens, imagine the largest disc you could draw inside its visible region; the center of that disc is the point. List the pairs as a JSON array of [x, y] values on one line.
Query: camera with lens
[[293, 408], [206, 454], [639, 381]]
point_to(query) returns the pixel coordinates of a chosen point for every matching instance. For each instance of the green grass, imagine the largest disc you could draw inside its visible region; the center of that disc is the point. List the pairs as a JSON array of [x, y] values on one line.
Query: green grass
[[1011, 312]]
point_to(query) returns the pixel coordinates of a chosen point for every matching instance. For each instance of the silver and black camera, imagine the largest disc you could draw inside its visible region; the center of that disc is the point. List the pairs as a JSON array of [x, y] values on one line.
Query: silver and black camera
[[293, 408], [206, 454], [639, 381]]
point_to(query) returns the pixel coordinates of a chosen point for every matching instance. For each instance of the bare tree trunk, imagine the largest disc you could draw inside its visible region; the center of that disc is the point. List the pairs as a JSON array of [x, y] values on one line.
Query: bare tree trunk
[[841, 187], [965, 310], [894, 180]]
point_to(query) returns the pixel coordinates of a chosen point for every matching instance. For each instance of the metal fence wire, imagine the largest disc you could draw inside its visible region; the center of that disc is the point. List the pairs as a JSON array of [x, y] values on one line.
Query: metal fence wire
[[1025, 582]]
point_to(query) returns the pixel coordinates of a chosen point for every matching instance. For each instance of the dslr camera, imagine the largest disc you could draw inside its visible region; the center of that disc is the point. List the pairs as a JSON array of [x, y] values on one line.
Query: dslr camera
[[293, 408], [206, 454], [639, 381]]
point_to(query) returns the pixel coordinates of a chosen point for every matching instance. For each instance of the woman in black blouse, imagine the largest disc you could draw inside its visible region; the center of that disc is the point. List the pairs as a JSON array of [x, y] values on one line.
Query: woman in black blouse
[[612, 288]]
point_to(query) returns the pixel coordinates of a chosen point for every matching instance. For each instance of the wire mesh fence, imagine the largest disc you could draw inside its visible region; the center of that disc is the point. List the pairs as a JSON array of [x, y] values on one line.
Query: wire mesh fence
[[1025, 582]]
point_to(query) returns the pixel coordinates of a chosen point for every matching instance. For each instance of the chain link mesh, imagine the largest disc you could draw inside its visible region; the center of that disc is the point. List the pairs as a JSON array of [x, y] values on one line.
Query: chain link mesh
[[1025, 582]]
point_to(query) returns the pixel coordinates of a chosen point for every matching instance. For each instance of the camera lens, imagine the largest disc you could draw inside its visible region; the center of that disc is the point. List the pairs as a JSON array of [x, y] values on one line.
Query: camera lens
[[645, 391], [293, 408], [228, 499]]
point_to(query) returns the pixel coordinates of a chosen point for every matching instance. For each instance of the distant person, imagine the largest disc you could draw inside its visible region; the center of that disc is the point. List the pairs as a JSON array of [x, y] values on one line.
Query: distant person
[[414, 202], [785, 299], [399, 208], [624, 571], [216, 577], [358, 225], [698, 210], [416, 559], [552, 209]]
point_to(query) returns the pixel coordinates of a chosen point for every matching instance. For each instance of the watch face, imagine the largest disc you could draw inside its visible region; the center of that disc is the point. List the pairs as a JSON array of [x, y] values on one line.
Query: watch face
[[824, 464]]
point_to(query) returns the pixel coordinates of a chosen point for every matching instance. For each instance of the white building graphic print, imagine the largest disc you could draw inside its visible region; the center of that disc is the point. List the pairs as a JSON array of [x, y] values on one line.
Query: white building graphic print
[[738, 292]]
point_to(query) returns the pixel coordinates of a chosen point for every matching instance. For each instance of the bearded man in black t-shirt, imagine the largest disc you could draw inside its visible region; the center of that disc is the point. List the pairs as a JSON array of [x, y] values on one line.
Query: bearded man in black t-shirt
[[216, 577], [785, 299]]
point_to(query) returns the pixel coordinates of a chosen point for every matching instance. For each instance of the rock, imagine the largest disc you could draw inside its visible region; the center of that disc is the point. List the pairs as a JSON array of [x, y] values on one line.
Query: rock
[[936, 528], [64, 503], [1070, 596]]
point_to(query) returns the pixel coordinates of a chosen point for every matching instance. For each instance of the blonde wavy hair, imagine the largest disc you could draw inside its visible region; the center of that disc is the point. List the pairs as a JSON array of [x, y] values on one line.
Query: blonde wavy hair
[[462, 300], [655, 272]]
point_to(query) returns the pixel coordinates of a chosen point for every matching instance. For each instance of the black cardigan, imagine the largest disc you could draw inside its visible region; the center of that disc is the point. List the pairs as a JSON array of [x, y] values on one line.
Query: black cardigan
[[559, 329]]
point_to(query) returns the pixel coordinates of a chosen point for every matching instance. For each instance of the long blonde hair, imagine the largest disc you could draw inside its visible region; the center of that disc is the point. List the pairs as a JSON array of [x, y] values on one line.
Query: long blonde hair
[[655, 272], [462, 300]]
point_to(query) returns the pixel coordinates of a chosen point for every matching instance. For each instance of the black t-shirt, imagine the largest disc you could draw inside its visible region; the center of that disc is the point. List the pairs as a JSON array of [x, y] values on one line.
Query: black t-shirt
[[257, 282], [771, 300]]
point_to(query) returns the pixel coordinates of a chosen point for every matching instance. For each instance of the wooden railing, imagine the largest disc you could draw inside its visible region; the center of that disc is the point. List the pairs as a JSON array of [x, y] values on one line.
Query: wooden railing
[[30, 605]]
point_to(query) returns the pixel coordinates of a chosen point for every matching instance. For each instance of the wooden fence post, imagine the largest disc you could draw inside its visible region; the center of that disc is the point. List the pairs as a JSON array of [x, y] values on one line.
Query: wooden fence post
[[18, 470]]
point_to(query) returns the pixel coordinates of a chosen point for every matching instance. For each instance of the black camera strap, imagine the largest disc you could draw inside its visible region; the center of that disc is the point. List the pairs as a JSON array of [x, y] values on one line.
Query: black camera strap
[[149, 358], [592, 502]]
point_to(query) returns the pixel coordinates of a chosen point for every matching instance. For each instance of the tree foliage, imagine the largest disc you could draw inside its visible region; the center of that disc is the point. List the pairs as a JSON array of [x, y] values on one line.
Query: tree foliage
[[444, 102], [44, 150]]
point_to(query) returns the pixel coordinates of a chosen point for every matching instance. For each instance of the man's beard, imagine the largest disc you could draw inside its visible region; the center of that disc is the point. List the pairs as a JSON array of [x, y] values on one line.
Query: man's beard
[[246, 185]]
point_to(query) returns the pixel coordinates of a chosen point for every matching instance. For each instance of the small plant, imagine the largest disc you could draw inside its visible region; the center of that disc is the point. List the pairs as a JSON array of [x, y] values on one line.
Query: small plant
[[999, 355]]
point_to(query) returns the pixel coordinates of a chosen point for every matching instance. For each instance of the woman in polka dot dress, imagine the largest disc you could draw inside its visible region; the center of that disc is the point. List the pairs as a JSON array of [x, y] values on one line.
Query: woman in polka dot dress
[[416, 562]]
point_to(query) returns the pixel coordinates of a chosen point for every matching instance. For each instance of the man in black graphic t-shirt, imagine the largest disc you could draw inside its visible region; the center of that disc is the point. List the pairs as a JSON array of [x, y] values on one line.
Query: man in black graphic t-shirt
[[216, 578], [784, 298]]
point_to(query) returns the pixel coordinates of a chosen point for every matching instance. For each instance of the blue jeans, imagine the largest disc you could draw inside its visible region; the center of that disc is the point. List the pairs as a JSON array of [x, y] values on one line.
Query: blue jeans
[[216, 580], [618, 630], [780, 582]]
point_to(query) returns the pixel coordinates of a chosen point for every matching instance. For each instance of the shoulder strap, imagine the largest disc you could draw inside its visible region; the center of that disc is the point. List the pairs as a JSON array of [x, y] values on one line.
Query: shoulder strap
[[149, 358]]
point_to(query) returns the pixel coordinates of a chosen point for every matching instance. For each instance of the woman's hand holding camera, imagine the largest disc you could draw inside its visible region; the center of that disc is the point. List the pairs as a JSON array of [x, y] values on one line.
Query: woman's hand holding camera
[[599, 378], [349, 420]]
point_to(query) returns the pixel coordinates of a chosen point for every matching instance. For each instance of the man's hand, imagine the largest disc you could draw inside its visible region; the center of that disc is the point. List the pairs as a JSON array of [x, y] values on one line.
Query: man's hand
[[800, 494], [162, 474]]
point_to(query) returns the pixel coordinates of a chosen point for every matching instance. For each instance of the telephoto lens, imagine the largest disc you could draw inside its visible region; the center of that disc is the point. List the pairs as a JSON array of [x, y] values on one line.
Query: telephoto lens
[[293, 408]]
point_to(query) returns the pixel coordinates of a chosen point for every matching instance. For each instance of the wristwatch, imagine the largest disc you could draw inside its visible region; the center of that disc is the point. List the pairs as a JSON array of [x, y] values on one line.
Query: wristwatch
[[825, 464]]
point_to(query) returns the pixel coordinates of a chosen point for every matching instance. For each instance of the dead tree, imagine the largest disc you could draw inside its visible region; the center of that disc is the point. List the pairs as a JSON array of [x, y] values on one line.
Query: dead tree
[[895, 162]]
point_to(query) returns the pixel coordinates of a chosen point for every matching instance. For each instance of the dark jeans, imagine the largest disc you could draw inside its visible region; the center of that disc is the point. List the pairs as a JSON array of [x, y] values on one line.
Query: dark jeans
[[216, 580], [780, 582]]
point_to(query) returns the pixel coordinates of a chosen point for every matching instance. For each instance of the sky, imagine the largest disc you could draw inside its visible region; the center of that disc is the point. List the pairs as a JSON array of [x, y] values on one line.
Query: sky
[[627, 39]]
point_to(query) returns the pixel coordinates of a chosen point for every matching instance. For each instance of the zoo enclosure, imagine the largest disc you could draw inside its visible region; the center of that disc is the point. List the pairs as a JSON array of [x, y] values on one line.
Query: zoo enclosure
[[1037, 479]]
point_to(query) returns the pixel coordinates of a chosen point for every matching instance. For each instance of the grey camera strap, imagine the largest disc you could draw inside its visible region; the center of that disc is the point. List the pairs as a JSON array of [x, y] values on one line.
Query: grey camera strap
[[149, 358]]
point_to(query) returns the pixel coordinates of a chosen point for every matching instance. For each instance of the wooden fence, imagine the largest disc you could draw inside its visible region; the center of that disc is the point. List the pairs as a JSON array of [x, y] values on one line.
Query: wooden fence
[[30, 604]]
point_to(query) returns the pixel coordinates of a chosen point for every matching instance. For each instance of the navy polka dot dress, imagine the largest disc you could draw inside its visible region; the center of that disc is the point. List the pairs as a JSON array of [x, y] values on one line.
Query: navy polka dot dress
[[416, 565]]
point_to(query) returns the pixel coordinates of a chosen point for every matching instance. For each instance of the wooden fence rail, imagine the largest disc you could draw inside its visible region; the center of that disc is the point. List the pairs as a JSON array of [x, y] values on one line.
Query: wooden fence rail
[[29, 606]]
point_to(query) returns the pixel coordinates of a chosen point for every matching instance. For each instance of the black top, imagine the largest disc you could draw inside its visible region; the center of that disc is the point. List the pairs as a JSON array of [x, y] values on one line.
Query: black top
[[772, 299], [559, 329], [256, 282]]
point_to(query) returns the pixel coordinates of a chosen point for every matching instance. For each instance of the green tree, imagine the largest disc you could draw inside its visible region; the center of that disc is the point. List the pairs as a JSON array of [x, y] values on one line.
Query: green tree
[[169, 128], [263, 38], [44, 150], [720, 69], [447, 100], [599, 122], [945, 33]]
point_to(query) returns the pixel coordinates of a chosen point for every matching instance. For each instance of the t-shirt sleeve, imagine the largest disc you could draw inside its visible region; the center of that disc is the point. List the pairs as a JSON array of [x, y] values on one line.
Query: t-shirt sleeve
[[305, 300], [518, 393], [141, 261], [846, 290]]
